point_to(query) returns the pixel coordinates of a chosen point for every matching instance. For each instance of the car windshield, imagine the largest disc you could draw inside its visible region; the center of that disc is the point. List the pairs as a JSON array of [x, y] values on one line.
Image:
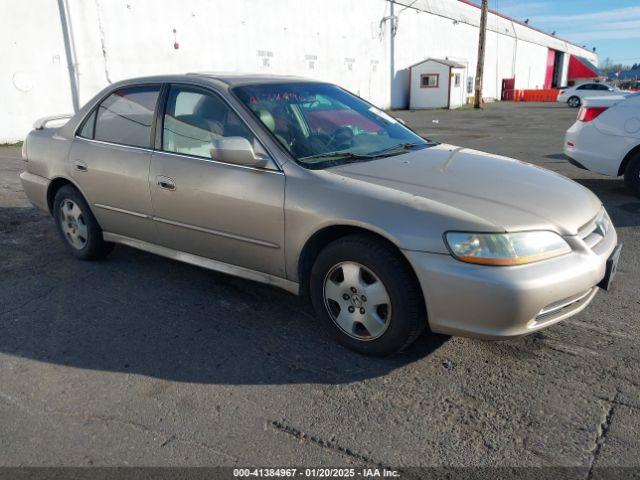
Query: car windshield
[[322, 125]]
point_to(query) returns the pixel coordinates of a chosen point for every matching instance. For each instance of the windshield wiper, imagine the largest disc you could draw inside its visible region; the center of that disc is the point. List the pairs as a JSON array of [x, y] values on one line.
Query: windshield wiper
[[400, 146], [387, 152], [338, 156]]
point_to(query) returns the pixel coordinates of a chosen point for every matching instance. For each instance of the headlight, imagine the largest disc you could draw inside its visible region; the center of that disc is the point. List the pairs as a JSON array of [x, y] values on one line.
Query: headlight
[[506, 248]]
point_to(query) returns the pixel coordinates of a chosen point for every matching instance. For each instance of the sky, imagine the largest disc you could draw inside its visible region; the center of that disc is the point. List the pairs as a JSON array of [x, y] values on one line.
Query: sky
[[612, 26]]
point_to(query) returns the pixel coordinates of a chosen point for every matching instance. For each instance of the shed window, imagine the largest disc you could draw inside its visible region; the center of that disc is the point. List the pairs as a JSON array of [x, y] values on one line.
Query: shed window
[[429, 80], [456, 80]]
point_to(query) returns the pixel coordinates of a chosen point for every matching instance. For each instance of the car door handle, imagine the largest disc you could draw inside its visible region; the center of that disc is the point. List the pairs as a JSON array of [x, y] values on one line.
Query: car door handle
[[165, 182], [80, 166]]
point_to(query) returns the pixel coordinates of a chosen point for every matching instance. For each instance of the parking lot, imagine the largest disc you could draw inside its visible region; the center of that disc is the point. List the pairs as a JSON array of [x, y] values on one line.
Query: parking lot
[[140, 360]]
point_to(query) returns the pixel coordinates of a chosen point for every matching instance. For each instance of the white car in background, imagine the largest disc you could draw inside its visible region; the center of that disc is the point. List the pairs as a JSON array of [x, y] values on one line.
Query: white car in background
[[606, 138], [574, 96]]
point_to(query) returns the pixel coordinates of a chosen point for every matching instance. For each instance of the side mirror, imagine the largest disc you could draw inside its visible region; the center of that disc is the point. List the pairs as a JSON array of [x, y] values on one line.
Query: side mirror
[[237, 151], [401, 121]]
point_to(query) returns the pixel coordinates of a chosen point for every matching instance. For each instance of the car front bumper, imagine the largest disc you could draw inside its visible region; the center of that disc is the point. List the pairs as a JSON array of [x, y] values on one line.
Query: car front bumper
[[504, 302]]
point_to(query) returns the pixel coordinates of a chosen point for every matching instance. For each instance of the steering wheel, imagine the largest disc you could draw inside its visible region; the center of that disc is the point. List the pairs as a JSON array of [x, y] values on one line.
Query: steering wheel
[[343, 135]]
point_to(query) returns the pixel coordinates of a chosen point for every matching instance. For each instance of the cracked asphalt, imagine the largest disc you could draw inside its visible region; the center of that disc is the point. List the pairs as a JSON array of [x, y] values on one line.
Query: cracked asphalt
[[140, 360]]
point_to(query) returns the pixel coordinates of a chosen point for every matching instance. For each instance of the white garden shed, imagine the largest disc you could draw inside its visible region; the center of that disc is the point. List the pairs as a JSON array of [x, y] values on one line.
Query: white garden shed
[[437, 83]]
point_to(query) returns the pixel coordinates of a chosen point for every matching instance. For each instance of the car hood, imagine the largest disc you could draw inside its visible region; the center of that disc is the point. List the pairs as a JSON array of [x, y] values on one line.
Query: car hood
[[509, 194]]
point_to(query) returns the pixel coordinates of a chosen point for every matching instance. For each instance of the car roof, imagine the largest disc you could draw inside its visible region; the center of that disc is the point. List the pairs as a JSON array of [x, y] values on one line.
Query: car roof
[[230, 79], [233, 79]]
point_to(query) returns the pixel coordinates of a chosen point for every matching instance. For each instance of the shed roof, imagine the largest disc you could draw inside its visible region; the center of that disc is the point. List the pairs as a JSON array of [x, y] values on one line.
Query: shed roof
[[443, 61]]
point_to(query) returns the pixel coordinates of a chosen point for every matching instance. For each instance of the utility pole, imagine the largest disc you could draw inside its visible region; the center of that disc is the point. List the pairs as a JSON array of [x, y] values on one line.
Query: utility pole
[[392, 50], [481, 43], [69, 47]]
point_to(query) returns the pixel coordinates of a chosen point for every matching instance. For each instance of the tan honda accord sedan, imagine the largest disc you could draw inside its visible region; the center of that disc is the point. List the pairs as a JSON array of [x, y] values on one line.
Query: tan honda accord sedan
[[307, 187]]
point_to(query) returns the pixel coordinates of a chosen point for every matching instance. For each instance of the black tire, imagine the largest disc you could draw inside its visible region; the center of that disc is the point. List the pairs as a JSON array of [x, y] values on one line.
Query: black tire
[[408, 318], [574, 102], [632, 174], [94, 247]]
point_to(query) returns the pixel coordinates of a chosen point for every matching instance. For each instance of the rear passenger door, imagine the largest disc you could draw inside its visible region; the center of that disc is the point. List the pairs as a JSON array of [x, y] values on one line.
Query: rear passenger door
[[110, 159], [230, 213]]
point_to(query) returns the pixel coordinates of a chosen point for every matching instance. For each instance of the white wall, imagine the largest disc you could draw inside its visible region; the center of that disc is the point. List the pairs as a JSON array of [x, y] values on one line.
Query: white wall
[[334, 40], [34, 79], [341, 41], [531, 65]]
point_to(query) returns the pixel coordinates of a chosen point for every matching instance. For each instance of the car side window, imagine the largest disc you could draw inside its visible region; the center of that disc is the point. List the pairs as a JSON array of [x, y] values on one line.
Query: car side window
[[125, 117], [87, 127], [195, 117], [602, 87], [585, 87]]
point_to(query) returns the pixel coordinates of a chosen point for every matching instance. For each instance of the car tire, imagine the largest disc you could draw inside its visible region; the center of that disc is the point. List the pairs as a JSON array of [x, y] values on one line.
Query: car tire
[[632, 174], [77, 226], [574, 102], [349, 269]]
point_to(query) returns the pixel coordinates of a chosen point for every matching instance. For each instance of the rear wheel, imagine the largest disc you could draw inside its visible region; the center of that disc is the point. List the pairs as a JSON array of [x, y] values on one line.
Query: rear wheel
[[77, 226], [574, 102], [632, 174], [367, 295]]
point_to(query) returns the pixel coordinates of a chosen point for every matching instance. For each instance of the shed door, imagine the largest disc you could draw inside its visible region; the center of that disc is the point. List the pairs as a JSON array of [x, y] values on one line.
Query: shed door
[[457, 84]]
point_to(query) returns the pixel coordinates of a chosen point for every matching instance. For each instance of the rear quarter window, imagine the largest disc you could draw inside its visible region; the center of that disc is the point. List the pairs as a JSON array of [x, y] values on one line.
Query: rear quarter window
[[86, 131], [125, 116]]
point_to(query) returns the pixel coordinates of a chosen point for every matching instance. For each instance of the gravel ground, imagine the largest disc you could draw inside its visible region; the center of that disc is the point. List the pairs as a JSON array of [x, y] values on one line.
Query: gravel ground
[[139, 360]]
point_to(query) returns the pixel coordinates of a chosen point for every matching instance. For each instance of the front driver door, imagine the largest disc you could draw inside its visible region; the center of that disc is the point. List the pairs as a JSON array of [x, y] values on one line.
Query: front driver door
[[225, 212]]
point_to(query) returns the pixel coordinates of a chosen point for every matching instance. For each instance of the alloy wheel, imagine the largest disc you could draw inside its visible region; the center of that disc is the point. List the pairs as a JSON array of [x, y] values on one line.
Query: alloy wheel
[[357, 301], [73, 224]]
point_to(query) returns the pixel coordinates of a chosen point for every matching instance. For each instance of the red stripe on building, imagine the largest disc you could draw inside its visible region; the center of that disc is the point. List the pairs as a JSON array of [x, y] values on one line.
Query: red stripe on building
[[578, 69]]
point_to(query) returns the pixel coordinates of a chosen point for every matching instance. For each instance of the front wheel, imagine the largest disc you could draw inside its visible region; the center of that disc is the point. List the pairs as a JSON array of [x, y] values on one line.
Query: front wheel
[[574, 102], [632, 174], [77, 226], [367, 296]]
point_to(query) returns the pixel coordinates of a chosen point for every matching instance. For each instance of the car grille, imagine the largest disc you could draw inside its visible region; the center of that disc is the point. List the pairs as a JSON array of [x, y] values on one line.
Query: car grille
[[596, 229]]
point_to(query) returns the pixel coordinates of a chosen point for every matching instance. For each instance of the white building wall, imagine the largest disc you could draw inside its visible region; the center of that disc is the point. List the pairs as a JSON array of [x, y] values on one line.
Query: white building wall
[[531, 65], [340, 41], [34, 79], [334, 40]]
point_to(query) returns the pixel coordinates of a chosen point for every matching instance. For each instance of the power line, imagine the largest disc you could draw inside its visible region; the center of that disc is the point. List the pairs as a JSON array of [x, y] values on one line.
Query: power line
[[624, 59], [418, 9]]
